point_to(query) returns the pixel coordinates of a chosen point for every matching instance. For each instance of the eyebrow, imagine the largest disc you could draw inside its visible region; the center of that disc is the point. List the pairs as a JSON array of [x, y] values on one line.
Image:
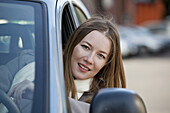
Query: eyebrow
[[91, 46], [87, 43]]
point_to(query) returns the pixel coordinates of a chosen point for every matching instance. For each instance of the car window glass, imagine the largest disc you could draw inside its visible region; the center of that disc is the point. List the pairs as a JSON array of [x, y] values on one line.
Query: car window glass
[[68, 24], [17, 55], [80, 15], [4, 44]]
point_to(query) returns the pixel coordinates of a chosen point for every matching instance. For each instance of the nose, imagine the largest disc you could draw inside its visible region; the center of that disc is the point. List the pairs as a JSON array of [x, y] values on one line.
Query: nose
[[89, 58]]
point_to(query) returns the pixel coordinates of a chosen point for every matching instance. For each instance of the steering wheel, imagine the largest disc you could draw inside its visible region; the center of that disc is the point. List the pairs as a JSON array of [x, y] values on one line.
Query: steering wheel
[[9, 104]]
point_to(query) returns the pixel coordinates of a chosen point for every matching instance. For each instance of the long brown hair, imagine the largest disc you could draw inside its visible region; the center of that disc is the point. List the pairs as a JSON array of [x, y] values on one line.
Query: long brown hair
[[112, 74]]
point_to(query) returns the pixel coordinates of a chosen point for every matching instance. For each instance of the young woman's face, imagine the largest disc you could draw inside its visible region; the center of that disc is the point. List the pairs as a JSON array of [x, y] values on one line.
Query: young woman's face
[[90, 55]]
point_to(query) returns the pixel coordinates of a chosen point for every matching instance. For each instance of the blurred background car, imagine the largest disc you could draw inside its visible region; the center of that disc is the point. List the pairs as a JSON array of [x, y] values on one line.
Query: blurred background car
[[162, 39], [160, 27], [145, 43], [128, 47]]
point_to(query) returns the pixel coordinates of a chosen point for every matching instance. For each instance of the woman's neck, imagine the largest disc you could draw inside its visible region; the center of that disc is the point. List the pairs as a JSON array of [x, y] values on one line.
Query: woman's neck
[[82, 86]]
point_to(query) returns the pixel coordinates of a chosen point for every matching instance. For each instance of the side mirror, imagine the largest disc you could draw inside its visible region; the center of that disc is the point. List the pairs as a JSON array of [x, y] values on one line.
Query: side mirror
[[117, 100]]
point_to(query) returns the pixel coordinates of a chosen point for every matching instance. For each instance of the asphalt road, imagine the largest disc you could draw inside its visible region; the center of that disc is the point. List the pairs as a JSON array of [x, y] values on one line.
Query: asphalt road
[[149, 76]]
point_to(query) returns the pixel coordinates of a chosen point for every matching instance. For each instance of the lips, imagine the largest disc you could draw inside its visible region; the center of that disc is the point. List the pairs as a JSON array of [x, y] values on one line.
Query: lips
[[83, 67]]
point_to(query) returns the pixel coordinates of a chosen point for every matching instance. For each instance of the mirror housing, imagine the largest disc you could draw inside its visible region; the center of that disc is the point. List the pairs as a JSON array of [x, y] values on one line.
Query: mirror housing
[[117, 100]]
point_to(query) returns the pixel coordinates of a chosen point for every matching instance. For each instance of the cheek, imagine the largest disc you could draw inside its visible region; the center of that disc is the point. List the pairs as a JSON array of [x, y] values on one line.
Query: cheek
[[78, 53], [76, 56], [99, 65], [75, 53], [73, 57]]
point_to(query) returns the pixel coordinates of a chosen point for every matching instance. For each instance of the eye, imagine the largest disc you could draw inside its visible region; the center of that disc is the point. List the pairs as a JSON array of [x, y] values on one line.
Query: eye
[[101, 56], [85, 47]]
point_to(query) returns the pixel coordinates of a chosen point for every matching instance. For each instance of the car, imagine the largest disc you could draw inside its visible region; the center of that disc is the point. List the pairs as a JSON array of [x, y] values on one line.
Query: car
[[128, 47], [34, 34], [160, 27], [145, 42], [161, 39]]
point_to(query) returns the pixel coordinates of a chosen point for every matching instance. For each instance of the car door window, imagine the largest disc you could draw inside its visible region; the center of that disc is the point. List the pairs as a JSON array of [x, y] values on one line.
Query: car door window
[[4, 44], [20, 29], [80, 14], [68, 24], [68, 21]]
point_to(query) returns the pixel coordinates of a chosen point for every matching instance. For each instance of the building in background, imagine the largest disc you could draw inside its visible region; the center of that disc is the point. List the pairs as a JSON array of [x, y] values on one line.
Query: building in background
[[130, 11], [149, 10]]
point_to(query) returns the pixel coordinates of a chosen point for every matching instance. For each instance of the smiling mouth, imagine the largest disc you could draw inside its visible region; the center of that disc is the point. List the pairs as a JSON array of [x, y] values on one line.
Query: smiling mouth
[[83, 67]]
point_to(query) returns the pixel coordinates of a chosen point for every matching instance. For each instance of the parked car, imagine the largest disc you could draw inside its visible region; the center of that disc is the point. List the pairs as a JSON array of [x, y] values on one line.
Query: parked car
[[161, 39], [145, 42], [34, 33], [128, 47], [159, 27]]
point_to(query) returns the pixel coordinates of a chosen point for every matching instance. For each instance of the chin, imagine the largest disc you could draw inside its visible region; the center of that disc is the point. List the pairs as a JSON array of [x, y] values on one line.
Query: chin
[[80, 78]]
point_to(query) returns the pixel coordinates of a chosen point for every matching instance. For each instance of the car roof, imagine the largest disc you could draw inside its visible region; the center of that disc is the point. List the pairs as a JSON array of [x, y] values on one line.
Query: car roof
[[21, 15]]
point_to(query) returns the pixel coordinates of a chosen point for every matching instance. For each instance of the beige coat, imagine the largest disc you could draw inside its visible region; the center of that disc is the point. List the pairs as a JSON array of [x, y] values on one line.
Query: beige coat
[[79, 106]]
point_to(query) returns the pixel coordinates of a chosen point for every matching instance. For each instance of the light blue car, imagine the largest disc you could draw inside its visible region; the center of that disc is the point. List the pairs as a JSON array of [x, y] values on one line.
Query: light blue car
[[35, 32]]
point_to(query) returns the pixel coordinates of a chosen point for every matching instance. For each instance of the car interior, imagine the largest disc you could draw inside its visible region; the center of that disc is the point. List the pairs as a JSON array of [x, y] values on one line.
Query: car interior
[[17, 44]]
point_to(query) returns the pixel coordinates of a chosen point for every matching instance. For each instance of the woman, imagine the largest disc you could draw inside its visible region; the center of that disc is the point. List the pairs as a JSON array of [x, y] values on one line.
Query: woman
[[92, 59]]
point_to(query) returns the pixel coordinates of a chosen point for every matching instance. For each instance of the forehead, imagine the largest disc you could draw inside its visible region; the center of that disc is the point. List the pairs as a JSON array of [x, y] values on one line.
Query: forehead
[[98, 40], [95, 36]]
